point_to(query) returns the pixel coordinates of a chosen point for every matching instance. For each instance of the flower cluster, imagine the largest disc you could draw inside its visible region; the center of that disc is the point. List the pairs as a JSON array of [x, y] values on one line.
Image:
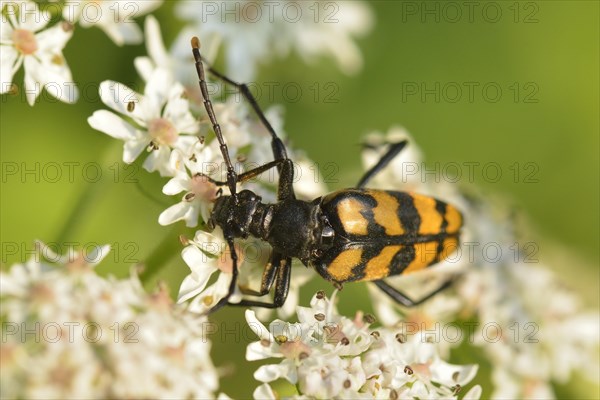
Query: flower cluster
[[326, 355], [309, 28], [251, 36], [27, 39], [69, 333], [115, 18], [555, 338]]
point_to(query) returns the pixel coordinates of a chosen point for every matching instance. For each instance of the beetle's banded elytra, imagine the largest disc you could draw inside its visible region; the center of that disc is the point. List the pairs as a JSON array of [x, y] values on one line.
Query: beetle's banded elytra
[[386, 233], [378, 213], [366, 263]]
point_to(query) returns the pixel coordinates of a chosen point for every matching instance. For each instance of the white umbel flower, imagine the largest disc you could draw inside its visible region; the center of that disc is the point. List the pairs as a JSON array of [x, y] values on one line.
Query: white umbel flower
[[25, 41], [178, 59], [69, 333], [251, 37], [205, 255], [326, 355], [208, 255], [115, 18], [159, 120], [200, 192]]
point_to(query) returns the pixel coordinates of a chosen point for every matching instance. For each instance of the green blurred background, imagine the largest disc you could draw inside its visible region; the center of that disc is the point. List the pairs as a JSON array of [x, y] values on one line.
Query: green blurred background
[[549, 49]]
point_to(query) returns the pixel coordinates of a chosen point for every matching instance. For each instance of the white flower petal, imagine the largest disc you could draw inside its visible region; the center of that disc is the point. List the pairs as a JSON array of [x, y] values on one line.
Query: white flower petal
[[158, 88], [257, 327], [53, 40], [449, 375], [263, 392], [98, 254], [118, 96], [191, 286], [6, 30], [45, 251], [31, 17], [199, 263], [272, 372], [177, 185], [144, 66], [257, 351], [158, 160], [123, 33], [111, 124], [154, 42], [214, 292], [133, 148], [210, 243], [63, 90], [186, 143], [33, 86], [8, 58], [176, 212], [473, 394], [145, 6], [177, 111]]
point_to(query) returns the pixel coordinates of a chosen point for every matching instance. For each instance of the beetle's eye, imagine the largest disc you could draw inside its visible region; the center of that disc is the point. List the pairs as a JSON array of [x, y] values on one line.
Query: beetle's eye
[[247, 195], [327, 235]]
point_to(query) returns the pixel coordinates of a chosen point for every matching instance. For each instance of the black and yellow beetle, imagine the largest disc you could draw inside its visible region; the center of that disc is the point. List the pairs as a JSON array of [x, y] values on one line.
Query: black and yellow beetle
[[349, 235]]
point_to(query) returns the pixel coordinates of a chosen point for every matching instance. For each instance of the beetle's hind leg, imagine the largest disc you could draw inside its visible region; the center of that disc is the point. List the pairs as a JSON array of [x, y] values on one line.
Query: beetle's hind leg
[[406, 301], [393, 151]]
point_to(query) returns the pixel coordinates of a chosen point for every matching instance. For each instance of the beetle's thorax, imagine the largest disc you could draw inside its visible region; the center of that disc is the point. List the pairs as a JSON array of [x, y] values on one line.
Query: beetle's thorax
[[292, 227]]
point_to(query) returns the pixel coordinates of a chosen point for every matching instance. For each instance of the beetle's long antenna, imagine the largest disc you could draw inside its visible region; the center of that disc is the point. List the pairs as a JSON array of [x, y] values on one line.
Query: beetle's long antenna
[[231, 175]]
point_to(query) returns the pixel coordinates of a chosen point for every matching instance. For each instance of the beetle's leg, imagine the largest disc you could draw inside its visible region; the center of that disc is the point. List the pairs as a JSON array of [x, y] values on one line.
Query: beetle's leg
[[403, 299], [285, 188], [268, 277], [259, 170], [234, 275], [392, 152], [282, 288], [246, 175]]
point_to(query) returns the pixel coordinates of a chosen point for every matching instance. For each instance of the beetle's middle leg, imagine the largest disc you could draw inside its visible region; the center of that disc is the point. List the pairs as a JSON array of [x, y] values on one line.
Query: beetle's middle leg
[[268, 277], [282, 288], [406, 301], [393, 151]]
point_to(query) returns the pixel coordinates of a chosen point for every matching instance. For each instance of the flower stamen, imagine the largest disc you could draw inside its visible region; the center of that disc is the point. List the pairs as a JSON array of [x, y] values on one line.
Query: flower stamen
[[162, 131], [24, 41]]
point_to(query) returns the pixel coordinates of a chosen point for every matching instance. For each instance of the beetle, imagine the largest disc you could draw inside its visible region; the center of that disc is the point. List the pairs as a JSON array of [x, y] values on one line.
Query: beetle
[[356, 234]]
